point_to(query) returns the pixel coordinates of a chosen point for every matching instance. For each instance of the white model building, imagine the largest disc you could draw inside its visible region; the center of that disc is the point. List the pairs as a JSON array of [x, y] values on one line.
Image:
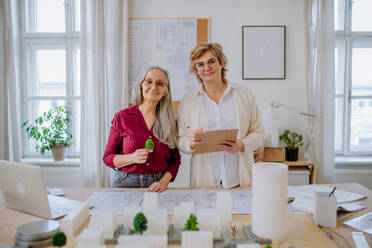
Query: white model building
[[91, 237], [150, 201], [105, 219], [153, 241], [194, 239], [248, 245], [182, 213], [157, 222], [128, 216], [132, 246], [71, 223], [224, 206], [209, 220]]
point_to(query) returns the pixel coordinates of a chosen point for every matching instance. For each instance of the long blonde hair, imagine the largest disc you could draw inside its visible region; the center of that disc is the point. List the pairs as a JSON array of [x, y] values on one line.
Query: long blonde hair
[[165, 127]]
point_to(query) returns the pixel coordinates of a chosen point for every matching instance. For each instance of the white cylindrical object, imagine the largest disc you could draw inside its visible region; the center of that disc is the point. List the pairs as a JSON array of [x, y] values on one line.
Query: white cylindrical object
[[269, 200]]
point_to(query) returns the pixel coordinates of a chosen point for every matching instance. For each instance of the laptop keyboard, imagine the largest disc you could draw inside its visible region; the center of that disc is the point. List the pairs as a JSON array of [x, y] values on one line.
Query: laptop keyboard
[[60, 206]]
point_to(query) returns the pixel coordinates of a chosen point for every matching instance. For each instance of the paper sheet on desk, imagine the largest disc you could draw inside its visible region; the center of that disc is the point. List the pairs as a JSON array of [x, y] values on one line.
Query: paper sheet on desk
[[307, 192], [351, 206], [305, 199], [362, 223]]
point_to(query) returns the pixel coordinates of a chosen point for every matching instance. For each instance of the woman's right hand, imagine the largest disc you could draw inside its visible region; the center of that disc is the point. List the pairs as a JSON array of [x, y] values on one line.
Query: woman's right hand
[[140, 156], [192, 141]]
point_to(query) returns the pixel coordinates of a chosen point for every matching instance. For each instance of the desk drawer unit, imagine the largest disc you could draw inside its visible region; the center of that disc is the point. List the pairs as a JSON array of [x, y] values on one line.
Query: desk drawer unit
[[298, 176]]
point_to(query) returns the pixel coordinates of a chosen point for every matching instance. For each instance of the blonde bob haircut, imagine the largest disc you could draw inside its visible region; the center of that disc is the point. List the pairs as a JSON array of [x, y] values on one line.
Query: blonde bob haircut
[[201, 48], [165, 127]]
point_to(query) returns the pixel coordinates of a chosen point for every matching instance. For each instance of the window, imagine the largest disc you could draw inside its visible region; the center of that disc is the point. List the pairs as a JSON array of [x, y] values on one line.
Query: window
[[51, 62], [353, 78]]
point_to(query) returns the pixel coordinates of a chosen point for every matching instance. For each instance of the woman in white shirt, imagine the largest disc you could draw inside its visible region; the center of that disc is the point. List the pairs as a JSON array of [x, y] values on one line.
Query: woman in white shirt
[[219, 104]]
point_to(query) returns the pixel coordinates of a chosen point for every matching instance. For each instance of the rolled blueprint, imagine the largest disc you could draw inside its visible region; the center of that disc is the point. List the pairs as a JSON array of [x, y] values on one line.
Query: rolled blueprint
[[269, 200]]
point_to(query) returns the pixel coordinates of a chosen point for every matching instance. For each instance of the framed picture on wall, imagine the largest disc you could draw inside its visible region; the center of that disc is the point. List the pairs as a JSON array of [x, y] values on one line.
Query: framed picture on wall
[[263, 52]]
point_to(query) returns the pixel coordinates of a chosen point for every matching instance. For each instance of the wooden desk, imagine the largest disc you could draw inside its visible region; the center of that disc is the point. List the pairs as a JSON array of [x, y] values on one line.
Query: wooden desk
[[301, 230], [301, 163]]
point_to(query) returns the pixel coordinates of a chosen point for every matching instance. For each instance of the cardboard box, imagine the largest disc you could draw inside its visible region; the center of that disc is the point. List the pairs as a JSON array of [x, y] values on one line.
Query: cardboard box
[[273, 154]]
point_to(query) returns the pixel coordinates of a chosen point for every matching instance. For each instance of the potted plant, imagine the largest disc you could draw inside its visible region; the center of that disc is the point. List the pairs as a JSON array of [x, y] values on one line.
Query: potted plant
[[293, 141], [51, 131]]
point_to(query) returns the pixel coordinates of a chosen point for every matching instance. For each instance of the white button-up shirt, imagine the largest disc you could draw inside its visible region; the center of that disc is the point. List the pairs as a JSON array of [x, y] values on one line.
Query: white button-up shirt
[[223, 116]]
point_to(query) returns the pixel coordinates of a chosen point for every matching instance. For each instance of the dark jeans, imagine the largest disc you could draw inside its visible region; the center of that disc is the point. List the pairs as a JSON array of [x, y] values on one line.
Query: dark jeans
[[129, 180]]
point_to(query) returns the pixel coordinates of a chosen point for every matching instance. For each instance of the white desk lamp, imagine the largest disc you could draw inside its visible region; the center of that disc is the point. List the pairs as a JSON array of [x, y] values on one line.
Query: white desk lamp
[[314, 123]]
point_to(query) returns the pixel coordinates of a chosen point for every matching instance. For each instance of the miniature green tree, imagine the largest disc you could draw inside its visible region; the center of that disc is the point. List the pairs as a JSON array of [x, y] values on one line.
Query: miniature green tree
[[59, 239], [140, 223], [191, 224], [149, 144]]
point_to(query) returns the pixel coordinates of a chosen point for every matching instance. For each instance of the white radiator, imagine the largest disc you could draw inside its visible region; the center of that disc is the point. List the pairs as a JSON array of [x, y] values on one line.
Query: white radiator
[[62, 177], [361, 176]]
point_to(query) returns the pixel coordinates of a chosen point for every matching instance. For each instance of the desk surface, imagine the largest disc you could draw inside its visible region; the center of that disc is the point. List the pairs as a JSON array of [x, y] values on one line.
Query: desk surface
[[301, 229]]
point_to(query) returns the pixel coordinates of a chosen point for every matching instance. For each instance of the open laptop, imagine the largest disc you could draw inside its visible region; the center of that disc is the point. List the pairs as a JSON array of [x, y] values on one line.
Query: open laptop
[[23, 190]]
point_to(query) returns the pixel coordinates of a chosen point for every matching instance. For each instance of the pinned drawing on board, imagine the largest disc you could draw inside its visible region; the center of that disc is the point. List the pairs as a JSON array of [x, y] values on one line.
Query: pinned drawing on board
[[263, 52]]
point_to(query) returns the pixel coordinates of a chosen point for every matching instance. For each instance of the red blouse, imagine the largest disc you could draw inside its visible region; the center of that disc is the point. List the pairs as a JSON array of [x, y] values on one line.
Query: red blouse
[[128, 133]]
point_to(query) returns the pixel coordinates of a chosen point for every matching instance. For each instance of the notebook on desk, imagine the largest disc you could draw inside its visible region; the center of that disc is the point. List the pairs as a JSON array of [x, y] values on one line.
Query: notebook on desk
[[24, 190]]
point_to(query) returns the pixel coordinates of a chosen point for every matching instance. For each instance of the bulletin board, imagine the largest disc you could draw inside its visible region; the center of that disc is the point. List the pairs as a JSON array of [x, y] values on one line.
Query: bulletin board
[[165, 42]]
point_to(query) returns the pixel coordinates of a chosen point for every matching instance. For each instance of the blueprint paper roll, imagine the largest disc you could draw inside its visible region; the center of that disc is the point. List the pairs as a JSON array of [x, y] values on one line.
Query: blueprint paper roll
[[269, 200]]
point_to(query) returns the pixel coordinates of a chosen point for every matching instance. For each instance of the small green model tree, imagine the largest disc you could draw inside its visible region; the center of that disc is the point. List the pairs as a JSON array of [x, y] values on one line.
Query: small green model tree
[[149, 145], [140, 223], [191, 224], [59, 239]]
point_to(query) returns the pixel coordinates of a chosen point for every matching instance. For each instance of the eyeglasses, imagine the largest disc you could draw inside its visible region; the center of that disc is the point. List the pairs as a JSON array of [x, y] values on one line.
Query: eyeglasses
[[158, 84], [200, 66]]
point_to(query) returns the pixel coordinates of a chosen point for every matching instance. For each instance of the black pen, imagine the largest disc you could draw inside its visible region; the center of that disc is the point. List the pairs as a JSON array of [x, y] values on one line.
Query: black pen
[[333, 191]]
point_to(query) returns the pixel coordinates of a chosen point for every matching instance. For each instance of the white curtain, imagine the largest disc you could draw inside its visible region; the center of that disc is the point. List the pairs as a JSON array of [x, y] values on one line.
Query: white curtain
[[104, 30], [321, 85], [10, 47]]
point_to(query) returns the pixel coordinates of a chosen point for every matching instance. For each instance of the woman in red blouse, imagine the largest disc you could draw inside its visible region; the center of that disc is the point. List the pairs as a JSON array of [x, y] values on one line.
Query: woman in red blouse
[[151, 118]]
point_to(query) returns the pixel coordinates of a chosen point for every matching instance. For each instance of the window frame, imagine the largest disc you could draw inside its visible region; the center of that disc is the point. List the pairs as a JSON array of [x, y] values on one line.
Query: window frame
[[349, 37], [31, 41]]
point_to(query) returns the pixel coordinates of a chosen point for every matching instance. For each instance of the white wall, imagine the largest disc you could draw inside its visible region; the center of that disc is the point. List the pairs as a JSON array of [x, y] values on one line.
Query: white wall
[[226, 20]]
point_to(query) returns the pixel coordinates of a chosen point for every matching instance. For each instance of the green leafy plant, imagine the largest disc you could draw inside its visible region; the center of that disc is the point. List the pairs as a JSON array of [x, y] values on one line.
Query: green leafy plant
[[59, 239], [292, 139], [51, 129], [140, 223], [191, 224]]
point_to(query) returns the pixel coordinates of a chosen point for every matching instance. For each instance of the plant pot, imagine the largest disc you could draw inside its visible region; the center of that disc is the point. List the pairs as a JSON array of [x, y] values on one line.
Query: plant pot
[[291, 154], [59, 152]]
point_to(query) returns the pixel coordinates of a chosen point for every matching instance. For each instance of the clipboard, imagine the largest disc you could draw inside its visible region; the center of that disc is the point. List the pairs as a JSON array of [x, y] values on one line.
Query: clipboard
[[211, 139]]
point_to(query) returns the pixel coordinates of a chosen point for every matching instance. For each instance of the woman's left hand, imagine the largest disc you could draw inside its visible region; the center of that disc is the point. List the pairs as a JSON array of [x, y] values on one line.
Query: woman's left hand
[[161, 185], [157, 187], [232, 147]]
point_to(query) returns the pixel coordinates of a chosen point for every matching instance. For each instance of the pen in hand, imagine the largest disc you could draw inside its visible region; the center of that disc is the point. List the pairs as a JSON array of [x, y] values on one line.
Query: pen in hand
[[332, 192]]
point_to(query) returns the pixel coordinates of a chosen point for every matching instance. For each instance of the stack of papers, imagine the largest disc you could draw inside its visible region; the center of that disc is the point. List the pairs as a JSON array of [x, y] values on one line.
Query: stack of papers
[[305, 198], [362, 223]]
